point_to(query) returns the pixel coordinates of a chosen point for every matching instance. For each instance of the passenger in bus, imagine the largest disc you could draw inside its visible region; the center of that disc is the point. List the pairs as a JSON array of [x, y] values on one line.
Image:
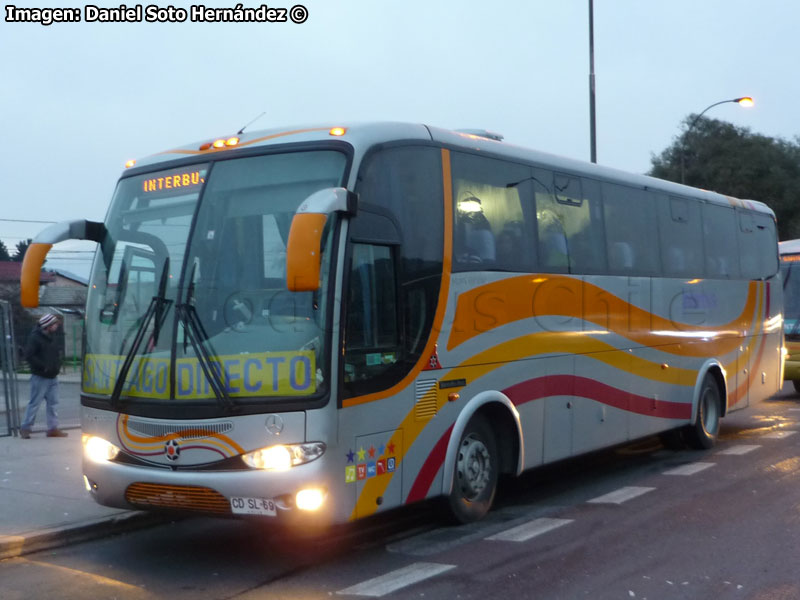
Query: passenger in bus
[[509, 249], [620, 256], [477, 243], [553, 247]]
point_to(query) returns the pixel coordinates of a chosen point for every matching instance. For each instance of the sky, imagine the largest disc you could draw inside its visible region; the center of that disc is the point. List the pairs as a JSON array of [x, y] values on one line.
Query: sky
[[77, 100]]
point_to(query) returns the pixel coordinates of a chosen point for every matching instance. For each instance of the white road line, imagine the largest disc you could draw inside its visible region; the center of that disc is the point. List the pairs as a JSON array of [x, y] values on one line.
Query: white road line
[[621, 495], [740, 449], [391, 582], [779, 435], [531, 529], [689, 469]]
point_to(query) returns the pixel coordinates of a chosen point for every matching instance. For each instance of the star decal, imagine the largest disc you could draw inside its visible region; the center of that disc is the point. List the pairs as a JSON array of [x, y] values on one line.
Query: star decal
[[390, 447], [362, 454], [350, 456], [372, 451]]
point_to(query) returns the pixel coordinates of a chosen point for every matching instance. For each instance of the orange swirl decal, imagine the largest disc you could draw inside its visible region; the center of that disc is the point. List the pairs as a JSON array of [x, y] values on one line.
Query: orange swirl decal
[[140, 445], [493, 305]]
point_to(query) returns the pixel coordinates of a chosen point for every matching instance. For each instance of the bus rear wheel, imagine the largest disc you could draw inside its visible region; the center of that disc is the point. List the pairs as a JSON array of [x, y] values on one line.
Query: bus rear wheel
[[703, 434], [475, 473]]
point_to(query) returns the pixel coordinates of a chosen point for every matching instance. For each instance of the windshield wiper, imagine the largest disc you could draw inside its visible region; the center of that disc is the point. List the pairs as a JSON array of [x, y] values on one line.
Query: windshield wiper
[[198, 338], [158, 308]]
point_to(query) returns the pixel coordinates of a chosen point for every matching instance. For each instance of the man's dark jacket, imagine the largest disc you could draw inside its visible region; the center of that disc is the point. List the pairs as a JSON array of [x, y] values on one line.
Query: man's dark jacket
[[42, 354]]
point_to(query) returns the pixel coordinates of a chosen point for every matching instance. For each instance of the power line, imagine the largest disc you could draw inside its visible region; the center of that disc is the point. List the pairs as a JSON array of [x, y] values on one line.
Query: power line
[[27, 221]]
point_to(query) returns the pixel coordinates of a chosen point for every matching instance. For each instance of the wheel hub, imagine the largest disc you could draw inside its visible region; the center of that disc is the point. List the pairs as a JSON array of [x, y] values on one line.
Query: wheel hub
[[473, 467]]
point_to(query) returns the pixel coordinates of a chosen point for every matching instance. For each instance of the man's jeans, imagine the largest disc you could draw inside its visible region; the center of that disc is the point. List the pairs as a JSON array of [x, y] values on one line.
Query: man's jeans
[[45, 389]]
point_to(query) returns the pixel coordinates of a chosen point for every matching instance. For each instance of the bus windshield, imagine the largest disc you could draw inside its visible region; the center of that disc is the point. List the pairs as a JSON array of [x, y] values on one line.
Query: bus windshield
[[790, 273], [188, 298]]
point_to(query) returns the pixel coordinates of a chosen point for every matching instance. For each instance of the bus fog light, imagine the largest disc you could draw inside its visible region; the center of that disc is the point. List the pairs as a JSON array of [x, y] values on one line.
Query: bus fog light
[[99, 450], [283, 457], [309, 499]]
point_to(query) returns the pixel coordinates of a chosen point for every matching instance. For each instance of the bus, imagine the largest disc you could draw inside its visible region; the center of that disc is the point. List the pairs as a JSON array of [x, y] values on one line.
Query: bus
[[313, 325], [790, 274]]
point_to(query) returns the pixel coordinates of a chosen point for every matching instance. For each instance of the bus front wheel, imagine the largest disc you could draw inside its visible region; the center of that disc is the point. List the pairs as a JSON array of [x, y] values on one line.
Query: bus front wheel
[[703, 433], [475, 473]]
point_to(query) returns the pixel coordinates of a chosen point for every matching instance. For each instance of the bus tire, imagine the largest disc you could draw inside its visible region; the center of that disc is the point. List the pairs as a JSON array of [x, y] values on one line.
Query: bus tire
[[703, 433], [475, 473]]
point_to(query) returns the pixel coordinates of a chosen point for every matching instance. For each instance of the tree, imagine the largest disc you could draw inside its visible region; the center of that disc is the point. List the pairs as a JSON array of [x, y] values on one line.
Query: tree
[[4, 255], [734, 161], [22, 248]]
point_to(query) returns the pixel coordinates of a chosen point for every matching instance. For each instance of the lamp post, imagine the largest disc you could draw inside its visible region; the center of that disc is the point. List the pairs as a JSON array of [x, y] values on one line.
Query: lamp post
[[592, 118], [745, 101]]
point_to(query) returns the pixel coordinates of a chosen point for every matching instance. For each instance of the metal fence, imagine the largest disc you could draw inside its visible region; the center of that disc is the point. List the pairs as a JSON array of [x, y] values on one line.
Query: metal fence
[[9, 417]]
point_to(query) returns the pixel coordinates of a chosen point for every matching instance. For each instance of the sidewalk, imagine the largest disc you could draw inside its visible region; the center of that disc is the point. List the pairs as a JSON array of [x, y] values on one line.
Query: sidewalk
[[43, 501]]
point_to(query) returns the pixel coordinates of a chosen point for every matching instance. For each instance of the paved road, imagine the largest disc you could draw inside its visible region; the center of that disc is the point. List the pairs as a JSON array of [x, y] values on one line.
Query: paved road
[[636, 522]]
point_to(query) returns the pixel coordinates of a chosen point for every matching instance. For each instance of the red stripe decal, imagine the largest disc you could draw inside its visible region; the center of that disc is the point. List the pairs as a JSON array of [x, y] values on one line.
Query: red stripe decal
[[569, 385], [424, 480], [555, 385]]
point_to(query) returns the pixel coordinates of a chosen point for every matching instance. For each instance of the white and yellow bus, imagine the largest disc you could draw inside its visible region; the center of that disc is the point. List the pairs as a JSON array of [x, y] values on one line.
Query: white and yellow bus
[[790, 273], [315, 325]]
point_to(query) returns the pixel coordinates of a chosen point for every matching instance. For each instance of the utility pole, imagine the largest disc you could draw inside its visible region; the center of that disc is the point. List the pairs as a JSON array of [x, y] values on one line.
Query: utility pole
[[592, 118]]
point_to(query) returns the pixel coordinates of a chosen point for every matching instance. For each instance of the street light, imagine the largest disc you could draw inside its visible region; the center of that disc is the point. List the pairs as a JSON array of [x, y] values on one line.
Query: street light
[[745, 101], [592, 117]]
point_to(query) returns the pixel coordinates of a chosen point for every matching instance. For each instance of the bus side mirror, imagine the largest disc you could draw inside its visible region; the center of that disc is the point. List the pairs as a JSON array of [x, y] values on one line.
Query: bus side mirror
[[304, 247], [40, 246]]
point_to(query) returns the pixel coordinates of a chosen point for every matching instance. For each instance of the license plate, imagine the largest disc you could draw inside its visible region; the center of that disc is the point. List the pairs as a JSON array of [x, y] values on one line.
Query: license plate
[[253, 506]]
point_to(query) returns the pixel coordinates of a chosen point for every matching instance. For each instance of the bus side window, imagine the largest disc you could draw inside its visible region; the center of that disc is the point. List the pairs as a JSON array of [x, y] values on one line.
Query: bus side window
[[492, 214], [680, 236], [720, 231], [630, 220], [757, 244]]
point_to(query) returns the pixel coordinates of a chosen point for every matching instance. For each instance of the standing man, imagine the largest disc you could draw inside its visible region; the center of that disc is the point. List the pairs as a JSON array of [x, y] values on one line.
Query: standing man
[[42, 353]]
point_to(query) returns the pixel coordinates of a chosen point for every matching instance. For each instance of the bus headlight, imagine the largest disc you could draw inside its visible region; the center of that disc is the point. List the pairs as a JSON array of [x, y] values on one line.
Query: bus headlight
[[99, 450], [284, 456]]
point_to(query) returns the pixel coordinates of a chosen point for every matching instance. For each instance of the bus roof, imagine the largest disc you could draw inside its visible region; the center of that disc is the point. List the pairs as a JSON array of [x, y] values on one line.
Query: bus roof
[[364, 135]]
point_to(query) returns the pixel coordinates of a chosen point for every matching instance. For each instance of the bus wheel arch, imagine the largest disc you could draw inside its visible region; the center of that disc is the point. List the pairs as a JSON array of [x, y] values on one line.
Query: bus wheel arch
[[486, 441]]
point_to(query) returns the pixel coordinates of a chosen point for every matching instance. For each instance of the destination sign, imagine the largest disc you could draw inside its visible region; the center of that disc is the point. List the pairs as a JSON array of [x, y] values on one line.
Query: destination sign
[[181, 181], [243, 375]]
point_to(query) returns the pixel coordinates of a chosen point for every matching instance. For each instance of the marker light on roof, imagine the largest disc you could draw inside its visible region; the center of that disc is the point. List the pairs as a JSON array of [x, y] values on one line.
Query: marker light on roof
[[337, 131], [219, 144], [232, 141], [130, 163]]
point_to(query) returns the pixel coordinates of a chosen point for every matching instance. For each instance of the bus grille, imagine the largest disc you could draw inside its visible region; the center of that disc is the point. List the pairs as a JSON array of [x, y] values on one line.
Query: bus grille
[[177, 497], [186, 431]]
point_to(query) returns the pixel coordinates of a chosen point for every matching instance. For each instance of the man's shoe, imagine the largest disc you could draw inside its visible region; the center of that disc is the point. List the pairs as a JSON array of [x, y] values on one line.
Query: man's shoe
[[25, 434], [56, 433]]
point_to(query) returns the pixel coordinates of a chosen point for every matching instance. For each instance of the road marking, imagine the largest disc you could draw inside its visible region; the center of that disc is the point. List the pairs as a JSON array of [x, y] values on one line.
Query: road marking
[[531, 529], [391, 582], [740, 449], [779, 435], [621, 495], [689, 469], [99, 579]]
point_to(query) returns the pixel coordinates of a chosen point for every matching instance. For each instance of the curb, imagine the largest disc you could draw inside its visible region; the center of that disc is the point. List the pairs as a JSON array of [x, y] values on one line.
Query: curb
[[46, 539]]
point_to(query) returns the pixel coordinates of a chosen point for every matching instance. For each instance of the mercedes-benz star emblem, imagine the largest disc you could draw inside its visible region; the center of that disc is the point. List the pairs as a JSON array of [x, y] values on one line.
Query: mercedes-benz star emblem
[[274, 424]]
